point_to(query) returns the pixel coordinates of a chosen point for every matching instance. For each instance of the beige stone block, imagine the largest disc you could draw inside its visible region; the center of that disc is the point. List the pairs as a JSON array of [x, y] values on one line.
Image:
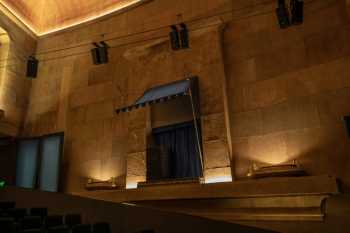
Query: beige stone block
[[321, 16], [214, 127], [91, 94], [137, 119], [264, 93], [327, 45], [113, 167], [280, 60], [136, 164], [137, 140], [236, 100], [77, 115], [246, 124], [217, 175], [119, 125], [241, 72], [334, 106], [100, 111], [216, 154], [268, 149], [100, 74], [295, 114]]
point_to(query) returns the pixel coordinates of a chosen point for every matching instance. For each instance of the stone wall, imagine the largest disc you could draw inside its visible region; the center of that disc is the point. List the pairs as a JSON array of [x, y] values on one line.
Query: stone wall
[[290, 90], [287, 89], [16, 46], [74, 96]]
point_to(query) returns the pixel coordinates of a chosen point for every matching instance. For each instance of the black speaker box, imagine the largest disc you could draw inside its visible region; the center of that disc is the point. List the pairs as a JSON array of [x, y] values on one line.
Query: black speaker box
[[103, 54], [347, 124], [297, 8], [95, 56], [32, 67], [174, 38], [283, 16]]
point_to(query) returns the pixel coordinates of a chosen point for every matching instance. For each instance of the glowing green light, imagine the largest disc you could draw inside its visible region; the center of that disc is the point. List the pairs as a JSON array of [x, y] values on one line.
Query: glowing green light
[[2, 184]]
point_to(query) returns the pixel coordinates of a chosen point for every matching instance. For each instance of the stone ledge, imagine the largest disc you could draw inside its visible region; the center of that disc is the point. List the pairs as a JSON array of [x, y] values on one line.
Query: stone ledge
[[269, 187]]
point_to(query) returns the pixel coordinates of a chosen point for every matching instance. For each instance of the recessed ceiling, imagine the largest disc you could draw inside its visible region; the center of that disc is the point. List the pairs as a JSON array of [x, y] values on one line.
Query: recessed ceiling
[[46, 16]]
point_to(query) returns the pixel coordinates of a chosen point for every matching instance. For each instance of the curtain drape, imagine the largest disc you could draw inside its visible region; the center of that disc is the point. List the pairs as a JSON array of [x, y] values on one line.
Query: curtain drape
[[180, 143]]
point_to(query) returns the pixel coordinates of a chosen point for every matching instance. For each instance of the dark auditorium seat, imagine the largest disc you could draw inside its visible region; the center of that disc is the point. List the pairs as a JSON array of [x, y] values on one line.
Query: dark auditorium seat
[[82, 228], [33, 231], [72, 219], [101, 227], [7, 225], [5, 205], [54, 221], [60, 229], [41, 212], [31, 222], [18, 213]]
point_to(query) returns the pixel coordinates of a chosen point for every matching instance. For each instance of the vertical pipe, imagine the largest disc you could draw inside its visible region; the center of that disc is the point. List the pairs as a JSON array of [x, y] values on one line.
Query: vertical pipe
[[197, 132]]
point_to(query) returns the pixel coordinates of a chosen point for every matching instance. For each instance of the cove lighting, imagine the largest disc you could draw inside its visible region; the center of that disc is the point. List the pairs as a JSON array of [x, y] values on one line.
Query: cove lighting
[[218, 179], [121, 6], [132, 185]]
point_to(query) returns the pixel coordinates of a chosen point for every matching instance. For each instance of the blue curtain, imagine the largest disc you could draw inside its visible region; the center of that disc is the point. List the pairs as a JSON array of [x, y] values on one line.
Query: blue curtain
[[181, 144], [27, 161], [50, 163]]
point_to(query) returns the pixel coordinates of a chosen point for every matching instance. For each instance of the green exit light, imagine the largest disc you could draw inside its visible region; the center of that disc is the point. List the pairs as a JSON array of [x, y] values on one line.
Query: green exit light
[[2, 184]]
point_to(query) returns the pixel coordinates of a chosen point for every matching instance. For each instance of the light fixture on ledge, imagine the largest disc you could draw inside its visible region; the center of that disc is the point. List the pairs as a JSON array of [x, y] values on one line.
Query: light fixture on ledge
[[281, 170], [93, 184]]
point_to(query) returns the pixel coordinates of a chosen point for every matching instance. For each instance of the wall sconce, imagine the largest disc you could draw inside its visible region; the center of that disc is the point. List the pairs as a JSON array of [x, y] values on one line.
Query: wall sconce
[[218, 179], [281, 170], [132, 185], [93, 184]]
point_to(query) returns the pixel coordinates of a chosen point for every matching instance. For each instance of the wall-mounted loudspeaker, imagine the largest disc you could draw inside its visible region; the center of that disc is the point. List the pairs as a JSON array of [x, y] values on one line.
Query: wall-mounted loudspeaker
[[297, 9], [32, 67], [347, 124], [174, 38], [282, 14], [185, 42], [100, 53]]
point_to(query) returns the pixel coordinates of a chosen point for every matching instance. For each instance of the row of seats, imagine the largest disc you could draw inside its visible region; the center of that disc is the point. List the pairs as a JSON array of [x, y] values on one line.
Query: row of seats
[[37, 220]]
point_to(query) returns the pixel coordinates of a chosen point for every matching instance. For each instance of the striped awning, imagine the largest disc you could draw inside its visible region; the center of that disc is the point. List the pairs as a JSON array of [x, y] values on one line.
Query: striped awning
[[161, 94]]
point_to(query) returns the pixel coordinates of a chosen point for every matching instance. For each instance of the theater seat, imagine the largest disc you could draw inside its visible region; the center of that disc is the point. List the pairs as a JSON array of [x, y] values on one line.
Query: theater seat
[[7, 225], [72, 219], [33, 231], [31, 222], [54, 221], [18, 213], [60, 229], [82, 228], [101, 227], [5, 205], [42, 212]]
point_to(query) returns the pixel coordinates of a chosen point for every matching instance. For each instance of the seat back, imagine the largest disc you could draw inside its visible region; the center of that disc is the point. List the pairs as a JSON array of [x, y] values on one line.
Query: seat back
[[62, 229], [72, 219], [5, 205], [18, 213], [54, 221], [7, 225], [31, 222], [82, 228], [101, 227], [41, 212]]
